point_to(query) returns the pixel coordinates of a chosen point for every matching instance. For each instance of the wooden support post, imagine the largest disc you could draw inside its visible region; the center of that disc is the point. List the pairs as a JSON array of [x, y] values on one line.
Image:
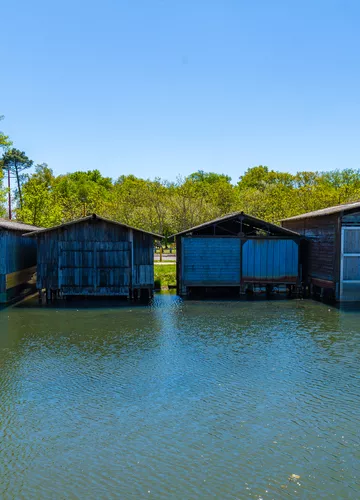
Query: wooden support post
[[161, 254]]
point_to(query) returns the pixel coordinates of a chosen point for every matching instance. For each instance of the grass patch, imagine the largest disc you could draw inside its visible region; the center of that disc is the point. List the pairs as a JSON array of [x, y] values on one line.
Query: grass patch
[[166, 251], [164, 275]]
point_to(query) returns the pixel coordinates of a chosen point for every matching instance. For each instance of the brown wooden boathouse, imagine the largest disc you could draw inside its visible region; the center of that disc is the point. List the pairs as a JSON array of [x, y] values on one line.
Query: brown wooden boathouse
[[332, 260]]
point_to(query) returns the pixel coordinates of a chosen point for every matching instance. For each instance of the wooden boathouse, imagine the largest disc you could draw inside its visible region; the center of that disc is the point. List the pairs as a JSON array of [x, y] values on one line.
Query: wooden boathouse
[[17, 258], [94, 256], [332, 260], [237, 251]]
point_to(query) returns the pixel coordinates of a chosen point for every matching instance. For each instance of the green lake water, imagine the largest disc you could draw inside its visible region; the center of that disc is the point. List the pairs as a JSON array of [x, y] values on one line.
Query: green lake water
[[179, 400]]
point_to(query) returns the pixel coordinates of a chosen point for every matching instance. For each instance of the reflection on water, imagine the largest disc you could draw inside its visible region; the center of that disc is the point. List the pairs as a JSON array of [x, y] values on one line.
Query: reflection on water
[[200, 399]]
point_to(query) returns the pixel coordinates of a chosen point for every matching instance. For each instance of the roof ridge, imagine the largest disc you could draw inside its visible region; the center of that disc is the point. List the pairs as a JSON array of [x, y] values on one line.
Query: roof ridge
[[90, 217], [324, 211]]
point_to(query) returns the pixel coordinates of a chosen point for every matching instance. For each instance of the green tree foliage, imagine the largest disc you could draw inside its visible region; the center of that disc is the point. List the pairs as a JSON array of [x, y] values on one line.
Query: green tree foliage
[[15, 162], [168, 207], [41, 205], [82, 193]]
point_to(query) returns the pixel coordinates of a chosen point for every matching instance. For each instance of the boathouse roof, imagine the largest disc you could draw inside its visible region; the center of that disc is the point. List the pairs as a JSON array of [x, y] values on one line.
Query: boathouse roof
[[90, 217], [249, 225], [325, 211], [14, 225]]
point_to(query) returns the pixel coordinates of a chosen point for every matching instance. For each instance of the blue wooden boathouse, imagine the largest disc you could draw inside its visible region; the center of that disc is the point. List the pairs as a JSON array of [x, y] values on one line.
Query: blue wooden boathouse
[[17, 258], [94, 256], [237, 251]]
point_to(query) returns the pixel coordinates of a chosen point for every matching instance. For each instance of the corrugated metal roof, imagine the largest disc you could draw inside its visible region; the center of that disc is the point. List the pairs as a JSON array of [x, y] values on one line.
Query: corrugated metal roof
[[258, 223], [325, 211], [14, 225], [89, 217]]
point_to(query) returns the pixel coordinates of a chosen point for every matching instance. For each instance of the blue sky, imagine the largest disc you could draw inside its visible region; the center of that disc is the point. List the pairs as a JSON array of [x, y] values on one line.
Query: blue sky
[[158, 88]]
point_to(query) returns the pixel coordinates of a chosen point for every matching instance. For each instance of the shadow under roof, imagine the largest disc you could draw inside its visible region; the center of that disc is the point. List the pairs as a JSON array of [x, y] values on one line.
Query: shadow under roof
[[241, 217]]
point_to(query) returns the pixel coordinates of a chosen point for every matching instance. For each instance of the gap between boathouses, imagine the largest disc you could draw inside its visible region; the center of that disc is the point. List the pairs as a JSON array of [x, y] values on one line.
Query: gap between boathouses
[[316, 253]]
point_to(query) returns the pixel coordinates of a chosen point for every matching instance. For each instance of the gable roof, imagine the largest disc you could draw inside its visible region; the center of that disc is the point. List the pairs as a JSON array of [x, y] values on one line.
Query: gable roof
[[90, 217], [248, 219], [14, 225], [325, 211]]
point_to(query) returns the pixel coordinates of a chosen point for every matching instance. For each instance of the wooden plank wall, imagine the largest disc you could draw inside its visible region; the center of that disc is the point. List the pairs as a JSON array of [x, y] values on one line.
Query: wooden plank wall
[[270, 261], [107, 241], [143, 260], [323, 235], [17, 252], [211, 261]]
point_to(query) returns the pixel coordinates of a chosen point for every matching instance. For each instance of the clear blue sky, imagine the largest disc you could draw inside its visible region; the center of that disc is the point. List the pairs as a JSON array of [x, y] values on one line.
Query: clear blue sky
[[159, 88]]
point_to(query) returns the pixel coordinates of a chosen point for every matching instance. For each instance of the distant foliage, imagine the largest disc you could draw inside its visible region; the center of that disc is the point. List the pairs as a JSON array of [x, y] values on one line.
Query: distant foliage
[[43, 199], [168, 207]]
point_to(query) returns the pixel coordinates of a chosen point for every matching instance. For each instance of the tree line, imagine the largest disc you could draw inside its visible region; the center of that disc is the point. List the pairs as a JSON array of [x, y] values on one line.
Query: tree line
[[43, 199]]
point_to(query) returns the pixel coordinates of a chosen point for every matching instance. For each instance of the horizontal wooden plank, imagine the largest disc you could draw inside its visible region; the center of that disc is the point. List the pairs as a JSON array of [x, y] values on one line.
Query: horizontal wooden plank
[[19, 277]]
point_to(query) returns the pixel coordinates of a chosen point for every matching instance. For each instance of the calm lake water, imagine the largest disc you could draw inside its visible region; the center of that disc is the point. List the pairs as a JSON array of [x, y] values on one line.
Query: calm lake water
[[180, 400]]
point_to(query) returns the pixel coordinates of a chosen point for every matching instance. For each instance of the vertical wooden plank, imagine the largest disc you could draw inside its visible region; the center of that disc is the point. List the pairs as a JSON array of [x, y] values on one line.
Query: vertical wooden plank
[[59, 266], [95, 267], [342, 264], [132, 277]]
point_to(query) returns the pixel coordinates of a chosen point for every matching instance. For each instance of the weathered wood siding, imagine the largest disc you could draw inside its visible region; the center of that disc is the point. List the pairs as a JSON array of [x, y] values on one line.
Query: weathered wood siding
[[17, 261], [211, 261], [143, 259], [94, 257], [270, 261], [17, 252], [323, 245]]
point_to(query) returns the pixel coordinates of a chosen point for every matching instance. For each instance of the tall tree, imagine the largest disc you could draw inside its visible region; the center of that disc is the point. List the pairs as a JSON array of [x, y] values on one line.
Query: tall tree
[[41, 206], [15, 162], [4, 144]]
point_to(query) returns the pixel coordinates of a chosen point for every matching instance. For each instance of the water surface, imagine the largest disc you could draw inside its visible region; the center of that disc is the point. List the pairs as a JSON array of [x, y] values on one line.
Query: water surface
[[179, 400]]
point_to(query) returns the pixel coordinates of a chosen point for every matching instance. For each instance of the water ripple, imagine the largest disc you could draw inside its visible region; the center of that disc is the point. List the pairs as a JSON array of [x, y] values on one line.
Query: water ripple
[[180, 400]]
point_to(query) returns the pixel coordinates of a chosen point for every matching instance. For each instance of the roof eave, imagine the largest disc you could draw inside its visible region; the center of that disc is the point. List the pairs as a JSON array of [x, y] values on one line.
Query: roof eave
[[279, 229], [90, 217]]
